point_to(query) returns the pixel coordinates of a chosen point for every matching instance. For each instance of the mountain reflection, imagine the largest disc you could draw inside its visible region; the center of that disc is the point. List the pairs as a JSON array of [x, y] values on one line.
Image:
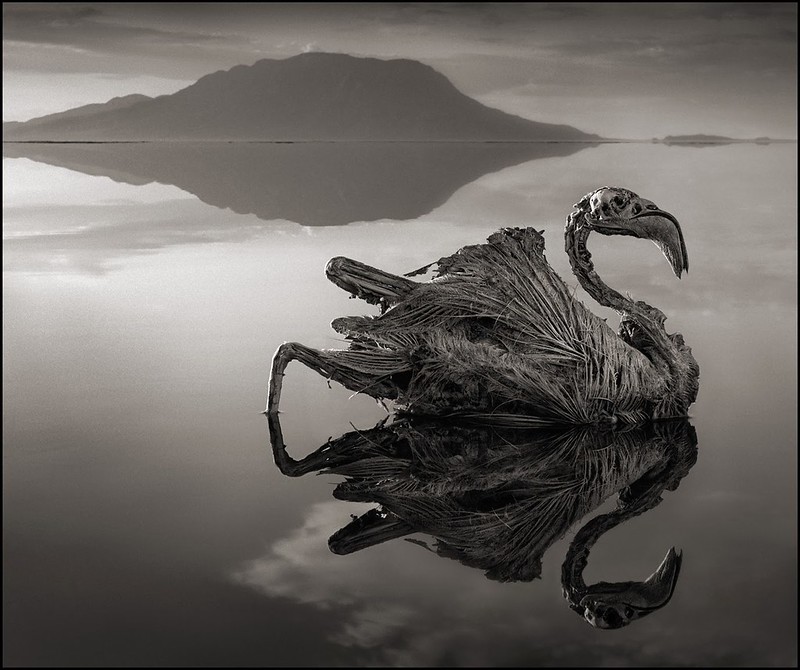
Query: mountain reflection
[[314, 184], [496, 498]]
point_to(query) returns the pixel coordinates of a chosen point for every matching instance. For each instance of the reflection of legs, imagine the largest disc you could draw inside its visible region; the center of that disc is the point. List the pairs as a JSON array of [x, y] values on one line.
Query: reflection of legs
[[373, 285], [350, 448]]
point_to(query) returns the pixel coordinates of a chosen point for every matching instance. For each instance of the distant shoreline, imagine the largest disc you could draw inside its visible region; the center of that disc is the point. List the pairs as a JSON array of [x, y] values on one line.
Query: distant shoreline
[[591, 142]]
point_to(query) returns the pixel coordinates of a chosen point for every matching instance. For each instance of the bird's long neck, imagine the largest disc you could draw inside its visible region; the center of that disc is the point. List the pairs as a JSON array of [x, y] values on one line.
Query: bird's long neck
[[677, 441], [652, 339], [580, 259], [578, 553]]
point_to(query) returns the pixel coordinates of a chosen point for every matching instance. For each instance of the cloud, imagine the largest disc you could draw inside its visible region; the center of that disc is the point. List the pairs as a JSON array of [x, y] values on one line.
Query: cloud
[[391, 611], [84, 27], [117, 39]]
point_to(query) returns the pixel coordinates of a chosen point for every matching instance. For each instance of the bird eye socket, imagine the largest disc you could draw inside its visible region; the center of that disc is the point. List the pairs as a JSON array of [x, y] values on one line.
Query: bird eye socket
[[636, 208], [628, 612], [612, 618]]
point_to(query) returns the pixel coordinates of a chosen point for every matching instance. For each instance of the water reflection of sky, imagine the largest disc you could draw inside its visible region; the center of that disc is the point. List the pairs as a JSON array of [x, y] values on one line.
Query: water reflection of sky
[[145, 521], [718, 212]]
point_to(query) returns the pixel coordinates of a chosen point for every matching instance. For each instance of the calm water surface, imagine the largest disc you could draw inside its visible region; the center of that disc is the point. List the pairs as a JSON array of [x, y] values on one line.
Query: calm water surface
[[144, 519]]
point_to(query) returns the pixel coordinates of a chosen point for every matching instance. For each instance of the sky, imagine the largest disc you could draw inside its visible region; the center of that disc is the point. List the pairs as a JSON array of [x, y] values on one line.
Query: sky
[[632, 70]]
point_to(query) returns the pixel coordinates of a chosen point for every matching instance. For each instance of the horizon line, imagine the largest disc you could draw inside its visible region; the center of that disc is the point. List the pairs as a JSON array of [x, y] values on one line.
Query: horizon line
[[602, 140]]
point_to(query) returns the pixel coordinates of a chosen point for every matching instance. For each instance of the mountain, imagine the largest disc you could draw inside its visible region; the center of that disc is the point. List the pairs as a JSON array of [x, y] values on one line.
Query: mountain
[[86, 111], [311, 183], [313, 96]]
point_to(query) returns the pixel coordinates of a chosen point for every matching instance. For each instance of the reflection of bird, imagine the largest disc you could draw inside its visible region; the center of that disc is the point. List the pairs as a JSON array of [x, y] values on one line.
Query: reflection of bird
[[496, 498], [497, 331], [614, 605]]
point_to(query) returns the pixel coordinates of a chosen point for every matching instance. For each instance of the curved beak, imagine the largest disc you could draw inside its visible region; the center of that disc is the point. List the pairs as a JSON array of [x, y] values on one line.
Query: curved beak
[[664, 230], [649, 222]]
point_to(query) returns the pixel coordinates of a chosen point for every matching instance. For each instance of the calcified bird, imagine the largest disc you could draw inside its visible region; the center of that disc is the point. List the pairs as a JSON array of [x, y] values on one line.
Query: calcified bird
[[497, 333]]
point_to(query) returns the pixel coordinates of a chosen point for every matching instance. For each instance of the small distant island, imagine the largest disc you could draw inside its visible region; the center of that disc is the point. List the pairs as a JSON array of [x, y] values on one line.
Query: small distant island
[[701, 140]]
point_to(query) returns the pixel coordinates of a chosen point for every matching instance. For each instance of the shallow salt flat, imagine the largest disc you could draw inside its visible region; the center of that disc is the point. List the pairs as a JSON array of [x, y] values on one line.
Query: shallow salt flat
[[146, 521]]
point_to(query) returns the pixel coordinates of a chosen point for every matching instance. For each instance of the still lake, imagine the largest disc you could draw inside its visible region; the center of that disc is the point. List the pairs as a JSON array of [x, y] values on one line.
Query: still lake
[[145, 289]]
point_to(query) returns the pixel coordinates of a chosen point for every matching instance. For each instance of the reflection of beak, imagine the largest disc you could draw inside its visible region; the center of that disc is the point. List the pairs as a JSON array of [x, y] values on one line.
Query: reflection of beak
[[643, 597], [661, 584]]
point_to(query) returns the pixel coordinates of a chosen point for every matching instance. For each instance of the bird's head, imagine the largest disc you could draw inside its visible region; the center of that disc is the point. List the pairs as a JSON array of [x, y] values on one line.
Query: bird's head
[[612, 210]]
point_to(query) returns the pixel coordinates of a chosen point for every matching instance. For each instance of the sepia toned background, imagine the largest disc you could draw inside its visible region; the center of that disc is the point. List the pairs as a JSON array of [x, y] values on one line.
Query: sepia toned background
[[144, 520]]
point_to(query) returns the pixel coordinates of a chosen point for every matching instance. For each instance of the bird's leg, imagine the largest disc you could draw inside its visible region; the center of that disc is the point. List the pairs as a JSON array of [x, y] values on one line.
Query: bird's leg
[[363, 370], [323, 362], [375, 286]]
